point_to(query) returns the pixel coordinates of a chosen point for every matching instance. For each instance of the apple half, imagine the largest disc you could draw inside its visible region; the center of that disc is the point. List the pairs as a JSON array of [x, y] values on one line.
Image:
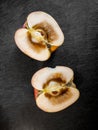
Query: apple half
[[54, 89], [39, 36]]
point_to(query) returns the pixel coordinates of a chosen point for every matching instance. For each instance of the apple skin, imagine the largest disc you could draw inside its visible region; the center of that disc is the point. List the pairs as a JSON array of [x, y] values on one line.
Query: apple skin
[[35, 93], [24, 25]]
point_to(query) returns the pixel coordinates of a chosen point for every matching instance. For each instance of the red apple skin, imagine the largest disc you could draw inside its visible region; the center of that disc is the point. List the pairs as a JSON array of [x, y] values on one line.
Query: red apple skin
[[24, 25], [35, 93]]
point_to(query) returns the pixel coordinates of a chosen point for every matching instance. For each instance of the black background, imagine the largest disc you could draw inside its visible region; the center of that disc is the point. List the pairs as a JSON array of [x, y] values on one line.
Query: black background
[[78, 20]]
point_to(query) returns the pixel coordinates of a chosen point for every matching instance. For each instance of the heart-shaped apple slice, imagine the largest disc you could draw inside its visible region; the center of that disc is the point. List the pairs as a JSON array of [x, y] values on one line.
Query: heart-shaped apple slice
[[54, 88], [40, 36]]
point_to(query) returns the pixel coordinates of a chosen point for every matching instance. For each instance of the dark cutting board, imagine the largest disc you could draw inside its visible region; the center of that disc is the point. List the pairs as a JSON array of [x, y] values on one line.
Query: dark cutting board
[[78, 20]]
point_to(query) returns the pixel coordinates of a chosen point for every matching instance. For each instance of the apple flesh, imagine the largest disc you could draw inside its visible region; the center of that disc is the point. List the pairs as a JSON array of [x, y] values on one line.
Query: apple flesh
[[54, 88], [39, 36]]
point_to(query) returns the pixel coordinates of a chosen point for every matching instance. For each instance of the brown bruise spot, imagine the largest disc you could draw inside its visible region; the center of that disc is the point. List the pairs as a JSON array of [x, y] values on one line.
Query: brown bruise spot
[[51, 34], [61, 98], [57, 77], [54, 92], [37, 47], [62, 91], [59, 85], [48, 33], [43, 33]]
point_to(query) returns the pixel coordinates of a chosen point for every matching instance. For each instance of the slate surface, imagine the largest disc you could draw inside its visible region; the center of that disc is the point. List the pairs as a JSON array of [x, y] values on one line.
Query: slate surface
[[79, 21]]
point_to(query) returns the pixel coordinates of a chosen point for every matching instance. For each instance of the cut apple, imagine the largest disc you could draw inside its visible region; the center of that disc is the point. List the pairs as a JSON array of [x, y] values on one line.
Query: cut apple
[[40, 36], [55, 104], [54, 88], [34, 51]]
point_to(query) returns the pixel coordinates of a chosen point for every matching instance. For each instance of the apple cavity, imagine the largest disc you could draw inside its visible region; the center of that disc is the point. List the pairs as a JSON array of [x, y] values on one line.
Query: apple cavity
[[39, 36], [54, 89]]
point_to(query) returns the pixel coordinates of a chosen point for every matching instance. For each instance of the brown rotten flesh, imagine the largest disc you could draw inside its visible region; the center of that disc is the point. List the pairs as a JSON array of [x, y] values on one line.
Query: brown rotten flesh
[[54, 88], [40, 36]]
